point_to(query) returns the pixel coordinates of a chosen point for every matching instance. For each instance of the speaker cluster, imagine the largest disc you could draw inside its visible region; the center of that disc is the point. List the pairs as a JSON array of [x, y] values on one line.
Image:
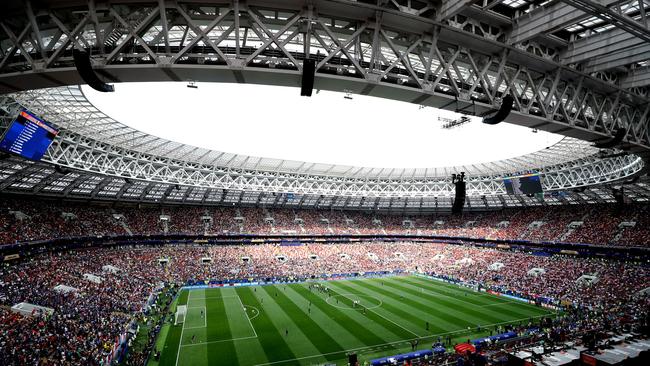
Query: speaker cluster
[[85, 69]]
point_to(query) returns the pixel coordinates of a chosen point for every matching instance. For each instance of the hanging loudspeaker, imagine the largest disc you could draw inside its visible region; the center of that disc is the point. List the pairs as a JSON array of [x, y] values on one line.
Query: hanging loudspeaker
[[85, 69], [307, 82], [610, 143], [459, 199], [502, 113]]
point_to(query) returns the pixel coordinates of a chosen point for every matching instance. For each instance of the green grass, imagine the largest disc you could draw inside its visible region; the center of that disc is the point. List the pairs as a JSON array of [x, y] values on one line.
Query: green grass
[[248, 325]]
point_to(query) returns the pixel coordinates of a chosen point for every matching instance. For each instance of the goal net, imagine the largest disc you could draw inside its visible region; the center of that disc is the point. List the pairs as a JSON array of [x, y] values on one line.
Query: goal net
[[181, 311]]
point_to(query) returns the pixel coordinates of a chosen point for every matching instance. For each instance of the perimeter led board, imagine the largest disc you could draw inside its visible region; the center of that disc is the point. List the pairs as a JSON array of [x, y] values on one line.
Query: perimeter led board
[[28, 136]]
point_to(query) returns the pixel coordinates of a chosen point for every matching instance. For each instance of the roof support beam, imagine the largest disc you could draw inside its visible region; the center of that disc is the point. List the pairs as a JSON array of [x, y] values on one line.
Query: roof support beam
[[593, 7], [449, 8], [611, 41], [623, 58], [548, 19], [637, 78]]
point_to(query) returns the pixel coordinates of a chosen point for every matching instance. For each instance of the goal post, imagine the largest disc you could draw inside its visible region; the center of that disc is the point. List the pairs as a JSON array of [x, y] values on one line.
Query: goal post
[[181, 311]]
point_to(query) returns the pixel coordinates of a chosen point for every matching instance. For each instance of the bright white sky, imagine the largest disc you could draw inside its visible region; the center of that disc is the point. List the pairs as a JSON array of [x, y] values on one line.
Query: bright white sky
[[277, 122]]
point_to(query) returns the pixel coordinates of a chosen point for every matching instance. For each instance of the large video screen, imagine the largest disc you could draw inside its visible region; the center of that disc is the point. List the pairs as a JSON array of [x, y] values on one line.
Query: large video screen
[[28, 136], [525, 184]]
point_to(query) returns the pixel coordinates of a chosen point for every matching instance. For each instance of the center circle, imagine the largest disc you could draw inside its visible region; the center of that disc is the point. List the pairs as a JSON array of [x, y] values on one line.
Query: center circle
[[345, 301]]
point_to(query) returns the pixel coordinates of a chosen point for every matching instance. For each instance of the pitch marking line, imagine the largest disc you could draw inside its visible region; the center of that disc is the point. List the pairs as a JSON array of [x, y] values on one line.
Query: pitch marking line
[[246, 314], [218, 297], [429, 291], [433, 292], [408, 330], [219, 341], [448, 287], [405, 341], [180, 341], [255, 311], [352, 308], [205, 316]]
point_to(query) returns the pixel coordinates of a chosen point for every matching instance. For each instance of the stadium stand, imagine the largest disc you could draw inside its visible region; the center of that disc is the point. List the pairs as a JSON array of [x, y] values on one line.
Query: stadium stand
[[598, 224], [193, 210], [85, 324]]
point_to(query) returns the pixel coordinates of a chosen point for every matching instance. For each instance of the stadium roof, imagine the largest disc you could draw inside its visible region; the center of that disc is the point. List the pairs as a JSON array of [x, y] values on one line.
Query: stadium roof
[[329, 128], [31, 178], [69, 108], [574, 67]]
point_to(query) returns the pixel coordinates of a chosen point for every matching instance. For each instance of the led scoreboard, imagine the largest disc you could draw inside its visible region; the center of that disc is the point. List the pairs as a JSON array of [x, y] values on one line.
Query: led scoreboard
[[28, 136], [525, 184]]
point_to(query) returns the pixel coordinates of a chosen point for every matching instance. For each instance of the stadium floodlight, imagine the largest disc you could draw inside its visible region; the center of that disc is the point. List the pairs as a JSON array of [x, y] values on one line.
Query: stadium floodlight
[[449, 123]]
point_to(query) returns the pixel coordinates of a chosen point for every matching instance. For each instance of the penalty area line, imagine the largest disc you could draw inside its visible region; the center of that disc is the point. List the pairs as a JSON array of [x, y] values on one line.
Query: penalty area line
[[246, 315], [219, 341]]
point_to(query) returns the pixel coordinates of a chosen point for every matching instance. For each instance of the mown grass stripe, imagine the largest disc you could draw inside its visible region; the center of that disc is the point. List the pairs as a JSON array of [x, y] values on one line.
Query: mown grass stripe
[[519, 308], [363, 335], [437, 317], [274, 344], [393, 316], [454, 291], [341, 334], [216, 351], [249, 350], [170, 350], [423, 311], [326, 333], [455, 308], [374, 321], [296, 338], [314, 333]]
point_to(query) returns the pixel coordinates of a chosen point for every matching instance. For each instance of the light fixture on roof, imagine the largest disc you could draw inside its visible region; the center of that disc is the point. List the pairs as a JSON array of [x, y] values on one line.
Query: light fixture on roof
[[192, 84], [348, 94], [449, 123]]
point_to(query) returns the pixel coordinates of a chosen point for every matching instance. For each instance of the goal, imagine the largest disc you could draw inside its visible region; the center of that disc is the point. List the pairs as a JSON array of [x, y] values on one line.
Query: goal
[[181, 311]]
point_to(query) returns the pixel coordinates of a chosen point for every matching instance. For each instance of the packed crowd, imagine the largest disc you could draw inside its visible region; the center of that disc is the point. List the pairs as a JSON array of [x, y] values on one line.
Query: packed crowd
[[86, 321], [25, 220]]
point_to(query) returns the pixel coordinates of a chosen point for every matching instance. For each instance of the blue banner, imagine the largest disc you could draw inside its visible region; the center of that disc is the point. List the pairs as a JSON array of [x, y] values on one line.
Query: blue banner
[[392, 360]]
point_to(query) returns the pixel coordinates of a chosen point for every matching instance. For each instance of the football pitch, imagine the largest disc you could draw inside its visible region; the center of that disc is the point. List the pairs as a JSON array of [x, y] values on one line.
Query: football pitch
[[296, 324]]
